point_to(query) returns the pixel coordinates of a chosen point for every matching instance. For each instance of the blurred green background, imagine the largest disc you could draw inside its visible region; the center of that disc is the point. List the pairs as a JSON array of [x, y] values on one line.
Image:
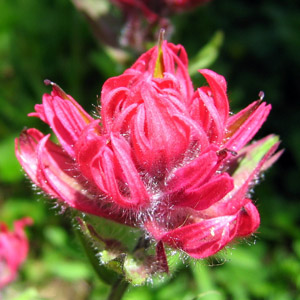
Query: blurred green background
[[260, 51]]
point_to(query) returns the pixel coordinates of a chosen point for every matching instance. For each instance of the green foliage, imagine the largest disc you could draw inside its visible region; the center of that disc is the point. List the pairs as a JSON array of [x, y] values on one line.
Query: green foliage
[[28, 294], [260, 51], [9, 166], [207, 55]]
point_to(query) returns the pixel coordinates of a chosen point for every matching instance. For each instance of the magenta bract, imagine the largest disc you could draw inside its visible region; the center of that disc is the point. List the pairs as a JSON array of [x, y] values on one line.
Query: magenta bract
[[163, 157], [13, 250]]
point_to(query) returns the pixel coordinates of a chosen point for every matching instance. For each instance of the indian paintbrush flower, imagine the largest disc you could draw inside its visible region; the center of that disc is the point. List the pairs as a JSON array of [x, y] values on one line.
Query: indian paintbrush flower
[[13, 250], [162, 157]]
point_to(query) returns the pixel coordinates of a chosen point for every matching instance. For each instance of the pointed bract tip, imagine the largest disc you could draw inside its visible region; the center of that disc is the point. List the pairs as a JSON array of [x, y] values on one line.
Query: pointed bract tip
[[57, 89], [26, 221], [161, 37], [24, 130], [48, 82], [80, 221], [261, 95], [159, 65]]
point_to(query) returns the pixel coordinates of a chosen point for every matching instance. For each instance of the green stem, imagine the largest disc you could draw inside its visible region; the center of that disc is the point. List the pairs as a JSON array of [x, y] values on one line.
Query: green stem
[[118, 290]]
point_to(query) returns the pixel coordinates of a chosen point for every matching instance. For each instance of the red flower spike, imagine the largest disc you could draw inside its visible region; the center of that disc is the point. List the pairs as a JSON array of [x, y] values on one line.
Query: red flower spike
[[165, 158], [13, 250]]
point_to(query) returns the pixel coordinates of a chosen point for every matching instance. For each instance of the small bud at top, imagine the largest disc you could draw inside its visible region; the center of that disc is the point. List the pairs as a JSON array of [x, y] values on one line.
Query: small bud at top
[[159, 65]]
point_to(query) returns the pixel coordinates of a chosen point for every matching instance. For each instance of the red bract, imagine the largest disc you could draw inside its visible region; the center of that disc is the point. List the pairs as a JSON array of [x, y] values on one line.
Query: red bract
[[163, 157], [13, 250]]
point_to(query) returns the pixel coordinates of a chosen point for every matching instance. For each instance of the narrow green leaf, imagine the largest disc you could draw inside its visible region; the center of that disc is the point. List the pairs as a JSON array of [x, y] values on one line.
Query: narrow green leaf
[[28, 294], [207, 55], [255, 152], [250, 157], [10, 169]]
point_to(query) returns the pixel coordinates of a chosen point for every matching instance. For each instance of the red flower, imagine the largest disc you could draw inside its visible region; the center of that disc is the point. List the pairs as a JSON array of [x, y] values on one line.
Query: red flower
[[13, 250], [162, 157]]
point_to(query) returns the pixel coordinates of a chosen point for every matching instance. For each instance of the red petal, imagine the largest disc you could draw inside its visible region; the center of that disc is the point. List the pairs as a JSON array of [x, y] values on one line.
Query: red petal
[[114, 93], [66, 122], [249, 220], [59, 171], [218, 88], [236, 199], [212, 120], [26, 152], [137, 189], [194, 174], [88, 146], [201, 239], [243, 126], [208, 194]]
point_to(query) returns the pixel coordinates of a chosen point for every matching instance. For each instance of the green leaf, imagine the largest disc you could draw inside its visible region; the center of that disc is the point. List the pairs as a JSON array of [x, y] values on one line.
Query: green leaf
[[113, 231], [15, 208], [105, 61], [256, 151], [70, 271], [106, 275], [10, 169], [250, 157], [112, 254], [296, 247], [28, 294], [56, 236], [205, 283], [207, 55], [93, 8]]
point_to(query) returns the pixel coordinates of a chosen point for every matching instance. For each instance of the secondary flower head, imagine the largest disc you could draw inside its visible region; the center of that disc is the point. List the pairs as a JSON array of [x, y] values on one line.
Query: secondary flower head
[[13, 250], [154, 9], [162, 156], [143, 17]]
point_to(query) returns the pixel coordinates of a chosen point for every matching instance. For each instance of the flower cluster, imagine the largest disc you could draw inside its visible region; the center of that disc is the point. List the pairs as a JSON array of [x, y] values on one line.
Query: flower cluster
[[13, 250], [162, 156]]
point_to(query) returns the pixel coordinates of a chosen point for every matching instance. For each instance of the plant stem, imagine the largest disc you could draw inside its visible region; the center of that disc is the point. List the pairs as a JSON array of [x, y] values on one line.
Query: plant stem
[[118, 289]]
